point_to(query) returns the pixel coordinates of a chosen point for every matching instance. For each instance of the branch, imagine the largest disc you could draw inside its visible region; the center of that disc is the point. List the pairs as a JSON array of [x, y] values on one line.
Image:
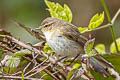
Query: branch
[[6, 48], [29, 47], [35, 67], [49, 73], [114, 73], [17, 77], [101, 27], [39, 69], [29, 30]]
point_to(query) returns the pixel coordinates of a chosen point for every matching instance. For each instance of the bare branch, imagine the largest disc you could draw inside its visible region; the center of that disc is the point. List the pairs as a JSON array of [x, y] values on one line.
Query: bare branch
[[101, 27], [17, 77], [6, 48], [29, 47], [114, 73], [16, 73], [36, 67], [4, 31], [31, 31], [26, 67], [40, 69], [49, 73]]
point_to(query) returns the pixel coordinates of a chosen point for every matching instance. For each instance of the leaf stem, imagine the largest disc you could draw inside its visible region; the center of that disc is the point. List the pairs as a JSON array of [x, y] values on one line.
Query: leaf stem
[[101, 27], [109, 20], [115, 16]]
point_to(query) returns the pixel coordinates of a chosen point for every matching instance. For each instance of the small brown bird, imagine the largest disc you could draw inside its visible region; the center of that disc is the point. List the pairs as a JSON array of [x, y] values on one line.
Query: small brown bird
[[65, 40]]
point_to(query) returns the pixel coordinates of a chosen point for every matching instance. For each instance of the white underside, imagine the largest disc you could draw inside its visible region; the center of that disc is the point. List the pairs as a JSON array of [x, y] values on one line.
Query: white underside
[[62, 46]]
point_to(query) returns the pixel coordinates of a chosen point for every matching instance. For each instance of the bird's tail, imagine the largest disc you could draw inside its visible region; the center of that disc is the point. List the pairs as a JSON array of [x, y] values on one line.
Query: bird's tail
[[100, 65]]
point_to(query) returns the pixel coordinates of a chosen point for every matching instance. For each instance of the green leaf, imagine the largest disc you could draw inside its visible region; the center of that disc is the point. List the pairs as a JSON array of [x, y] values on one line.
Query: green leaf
[[57, 11], [91, 53], [21, 53], [89, 48], [83, 30], [76, 66], [9, 70], [89, 45], [100, 48], [114, 59], [70, 75], [47, 77], [96, 21], [12, 62], [113, 48], [68, 13], [22, 62], [47, 49]]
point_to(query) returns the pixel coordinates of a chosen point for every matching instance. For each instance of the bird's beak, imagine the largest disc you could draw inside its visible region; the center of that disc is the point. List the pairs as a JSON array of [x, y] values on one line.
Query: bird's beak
[[39, 28]]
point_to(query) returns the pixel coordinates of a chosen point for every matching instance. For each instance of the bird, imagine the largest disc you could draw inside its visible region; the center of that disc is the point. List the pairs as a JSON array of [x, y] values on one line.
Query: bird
[[65, 39]]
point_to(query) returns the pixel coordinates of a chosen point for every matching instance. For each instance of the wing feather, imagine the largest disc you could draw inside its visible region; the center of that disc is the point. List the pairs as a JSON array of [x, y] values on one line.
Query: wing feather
[[72, 33]]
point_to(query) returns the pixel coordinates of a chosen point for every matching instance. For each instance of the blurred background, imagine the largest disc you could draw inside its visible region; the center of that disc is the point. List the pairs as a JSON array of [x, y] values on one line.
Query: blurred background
[[32, 12]]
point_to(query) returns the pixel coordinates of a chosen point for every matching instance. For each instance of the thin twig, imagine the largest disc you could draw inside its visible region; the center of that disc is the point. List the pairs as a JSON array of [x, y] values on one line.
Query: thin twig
[[34, 57], [6, 48], [101, 27], [44, 76], [115, 16], [26, 67], [17, 77], [34, 50], [16, 73], [24, 57], [35, 67], [40, 69], [8, 44], [1, 65], [49, 73], [38, 51], [31, 31], [52, 75]]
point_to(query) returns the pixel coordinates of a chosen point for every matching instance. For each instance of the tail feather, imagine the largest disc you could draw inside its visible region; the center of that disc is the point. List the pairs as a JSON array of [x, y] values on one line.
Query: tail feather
[[100, 65]]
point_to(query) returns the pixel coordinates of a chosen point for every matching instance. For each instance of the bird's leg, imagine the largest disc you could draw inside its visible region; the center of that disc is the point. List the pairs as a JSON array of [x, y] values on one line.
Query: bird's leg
[[66, 65], [73, 60]]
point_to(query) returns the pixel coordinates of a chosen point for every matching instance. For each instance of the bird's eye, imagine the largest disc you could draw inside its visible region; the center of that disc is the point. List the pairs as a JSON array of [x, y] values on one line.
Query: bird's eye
[[46, 26]]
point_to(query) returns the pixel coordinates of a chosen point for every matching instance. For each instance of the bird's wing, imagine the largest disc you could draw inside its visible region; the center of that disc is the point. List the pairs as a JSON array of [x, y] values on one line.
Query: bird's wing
[[99, 64], [71, 32]]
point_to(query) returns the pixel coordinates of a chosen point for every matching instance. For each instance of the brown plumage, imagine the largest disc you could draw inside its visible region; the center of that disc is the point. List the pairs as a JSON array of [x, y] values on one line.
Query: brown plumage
[[65, 39]]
